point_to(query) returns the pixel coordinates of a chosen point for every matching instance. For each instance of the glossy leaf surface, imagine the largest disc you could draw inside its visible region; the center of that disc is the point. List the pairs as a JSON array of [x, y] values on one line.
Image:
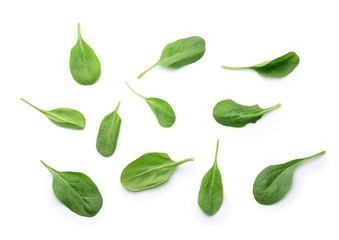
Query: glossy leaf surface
[[64, 117], [273, 182], [232, 114], [162, 110], [211, 189], [278, 67], [149, 171], [84, 64], [76, 191], [180, 53], [108, 133]]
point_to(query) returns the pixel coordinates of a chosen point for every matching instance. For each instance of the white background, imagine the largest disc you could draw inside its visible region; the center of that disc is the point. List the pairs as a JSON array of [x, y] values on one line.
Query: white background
[[128, 37]]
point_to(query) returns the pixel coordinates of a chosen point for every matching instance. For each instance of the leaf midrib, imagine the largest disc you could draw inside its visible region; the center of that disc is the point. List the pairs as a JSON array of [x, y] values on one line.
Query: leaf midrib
[[172, 57]]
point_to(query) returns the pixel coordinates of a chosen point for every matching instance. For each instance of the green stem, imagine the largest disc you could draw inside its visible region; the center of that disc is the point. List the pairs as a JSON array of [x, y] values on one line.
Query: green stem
[[135, 91], [40, 110], [232, 68], [48, 167], [315, 155], [183, 161], [271, 108], [117, 107], [153, 66], [216, 152], [79, 33]]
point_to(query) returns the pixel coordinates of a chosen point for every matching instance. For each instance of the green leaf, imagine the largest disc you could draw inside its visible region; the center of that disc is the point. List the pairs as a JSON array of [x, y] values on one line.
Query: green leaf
[[148, 171], [64, 117], [230, 113], [162, 110], [108, 133], [278, 67], [76, 191], [273, 182], [84, 64], [180, 53], [211, 190]]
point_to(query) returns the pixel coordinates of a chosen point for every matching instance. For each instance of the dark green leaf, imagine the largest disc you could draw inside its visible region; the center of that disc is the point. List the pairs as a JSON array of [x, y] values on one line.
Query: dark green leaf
[[76, 191], [180, 53], [162, 110], [230, 113], [64, 117], [273, 182], [108, 133], [211, 189], [278, 67], [148, 171], [84, 64]]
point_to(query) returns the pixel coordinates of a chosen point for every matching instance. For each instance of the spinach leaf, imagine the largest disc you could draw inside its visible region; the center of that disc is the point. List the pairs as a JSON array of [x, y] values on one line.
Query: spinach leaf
[[180, 53], [109, 133], [84, 64], [76, 191], [278, 67], [230, 113], [64, 117], [211, 190], [162, 110], [274, 181], [148, 171]]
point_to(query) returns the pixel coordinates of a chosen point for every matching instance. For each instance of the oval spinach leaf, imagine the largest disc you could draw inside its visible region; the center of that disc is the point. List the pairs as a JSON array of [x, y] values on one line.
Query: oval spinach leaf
[[278, 67], [180, 53], [162, 110], [230, 113], [211, 190], [84, 64], [108, 133], [64, 117], [148, 171], [273, 182], [76, 191]]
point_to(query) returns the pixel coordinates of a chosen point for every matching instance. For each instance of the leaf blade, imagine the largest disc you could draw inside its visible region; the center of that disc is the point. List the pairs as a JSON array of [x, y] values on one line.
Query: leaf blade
[[108, 133], [76, 191], [84, 65]]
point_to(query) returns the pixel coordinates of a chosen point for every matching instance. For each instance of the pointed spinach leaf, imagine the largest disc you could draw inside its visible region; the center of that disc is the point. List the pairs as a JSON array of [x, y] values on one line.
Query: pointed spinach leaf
[[76, 191], [64, 117], [84, 64], [274, 181], [180, 53], [211, 190], [278, 67], [148, 171], [230, 113], [108, 133], [162, 110]]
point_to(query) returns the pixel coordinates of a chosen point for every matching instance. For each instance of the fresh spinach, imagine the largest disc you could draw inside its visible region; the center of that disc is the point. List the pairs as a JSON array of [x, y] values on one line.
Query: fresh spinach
[[162, 110], [149, 171], [230, 113], [64, 117], [278, 67], [211, 190], [180, 53], [274, 181], [76, 191], [84, 64], [108, 133]]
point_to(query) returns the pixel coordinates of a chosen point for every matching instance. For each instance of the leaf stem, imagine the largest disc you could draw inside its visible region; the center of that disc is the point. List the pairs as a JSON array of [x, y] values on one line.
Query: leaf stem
[[232, 68], [315, 155], [216, 152], [153, 66], [117, 107], [48, 167], [185, 160], [271, 108], [135, 91], [40, 110], [79, 32]]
